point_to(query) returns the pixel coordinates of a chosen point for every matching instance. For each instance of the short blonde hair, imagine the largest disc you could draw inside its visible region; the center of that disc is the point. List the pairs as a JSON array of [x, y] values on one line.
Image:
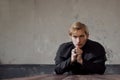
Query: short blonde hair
[[78, 26]]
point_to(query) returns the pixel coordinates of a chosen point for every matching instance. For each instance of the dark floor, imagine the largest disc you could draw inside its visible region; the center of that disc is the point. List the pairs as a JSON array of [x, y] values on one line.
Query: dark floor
[[13, 71]]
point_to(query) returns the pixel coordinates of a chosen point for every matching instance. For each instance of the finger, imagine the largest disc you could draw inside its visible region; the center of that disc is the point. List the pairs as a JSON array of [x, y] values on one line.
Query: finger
[[79, 51], [74, 51]]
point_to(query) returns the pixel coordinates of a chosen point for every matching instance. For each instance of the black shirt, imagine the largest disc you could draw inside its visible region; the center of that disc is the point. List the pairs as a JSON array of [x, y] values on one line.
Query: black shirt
[[93, 59]]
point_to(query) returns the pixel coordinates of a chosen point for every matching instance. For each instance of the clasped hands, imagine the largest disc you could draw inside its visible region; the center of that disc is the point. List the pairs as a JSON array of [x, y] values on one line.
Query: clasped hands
[[76, 55]]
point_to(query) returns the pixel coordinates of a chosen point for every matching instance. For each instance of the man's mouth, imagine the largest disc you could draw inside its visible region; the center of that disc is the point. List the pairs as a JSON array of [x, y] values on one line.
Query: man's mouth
[[79, 44]]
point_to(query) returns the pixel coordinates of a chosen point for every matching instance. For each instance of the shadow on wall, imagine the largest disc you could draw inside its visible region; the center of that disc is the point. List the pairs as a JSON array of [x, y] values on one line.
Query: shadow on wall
[[0, 61], [109, 54]]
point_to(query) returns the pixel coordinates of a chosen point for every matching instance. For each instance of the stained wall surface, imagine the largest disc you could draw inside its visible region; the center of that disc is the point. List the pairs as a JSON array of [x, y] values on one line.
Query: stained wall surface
[[32, 30]]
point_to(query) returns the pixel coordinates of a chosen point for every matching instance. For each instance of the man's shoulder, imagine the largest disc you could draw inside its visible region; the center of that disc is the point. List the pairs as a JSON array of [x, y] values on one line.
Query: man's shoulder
[[95, 43], [96, 46], [65, 48]]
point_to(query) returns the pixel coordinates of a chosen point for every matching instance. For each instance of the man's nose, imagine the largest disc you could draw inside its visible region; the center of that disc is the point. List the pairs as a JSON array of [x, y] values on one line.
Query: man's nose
[[78, 40]]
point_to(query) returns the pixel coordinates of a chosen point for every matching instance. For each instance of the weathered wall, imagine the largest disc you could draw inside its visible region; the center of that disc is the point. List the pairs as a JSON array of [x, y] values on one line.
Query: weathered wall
[[32, 30]]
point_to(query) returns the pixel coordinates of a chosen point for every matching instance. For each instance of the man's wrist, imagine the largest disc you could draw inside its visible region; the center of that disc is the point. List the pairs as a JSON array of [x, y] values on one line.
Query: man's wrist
[[79, 59], [73, 60]]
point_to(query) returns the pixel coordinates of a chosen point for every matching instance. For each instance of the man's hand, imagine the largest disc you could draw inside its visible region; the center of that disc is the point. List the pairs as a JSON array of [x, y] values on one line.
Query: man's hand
[[79, 59], [73, 55], [76, 55]]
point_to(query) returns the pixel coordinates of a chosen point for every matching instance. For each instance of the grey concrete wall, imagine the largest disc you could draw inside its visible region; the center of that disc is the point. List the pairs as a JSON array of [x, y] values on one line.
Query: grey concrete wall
[[32, 30]]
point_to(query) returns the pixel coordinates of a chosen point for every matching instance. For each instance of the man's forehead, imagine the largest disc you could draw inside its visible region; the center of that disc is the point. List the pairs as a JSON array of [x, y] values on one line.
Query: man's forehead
[[78, 32]]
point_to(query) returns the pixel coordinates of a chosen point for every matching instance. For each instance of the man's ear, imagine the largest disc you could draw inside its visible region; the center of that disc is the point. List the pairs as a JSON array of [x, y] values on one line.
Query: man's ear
[[70, 37], [87, 35]]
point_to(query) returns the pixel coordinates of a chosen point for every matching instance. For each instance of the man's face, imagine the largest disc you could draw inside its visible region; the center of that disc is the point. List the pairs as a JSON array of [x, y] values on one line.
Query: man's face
[[79, 38]]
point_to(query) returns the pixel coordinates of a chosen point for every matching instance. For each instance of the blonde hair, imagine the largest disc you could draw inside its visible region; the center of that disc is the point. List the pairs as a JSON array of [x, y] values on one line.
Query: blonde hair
[[78, 26]]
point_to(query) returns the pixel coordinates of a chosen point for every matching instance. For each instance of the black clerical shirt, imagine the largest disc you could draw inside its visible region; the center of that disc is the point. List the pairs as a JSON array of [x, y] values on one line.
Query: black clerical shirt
[[93, 59]]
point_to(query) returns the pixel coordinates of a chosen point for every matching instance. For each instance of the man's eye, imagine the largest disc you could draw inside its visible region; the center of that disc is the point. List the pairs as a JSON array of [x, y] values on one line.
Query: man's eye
[[75, 36]]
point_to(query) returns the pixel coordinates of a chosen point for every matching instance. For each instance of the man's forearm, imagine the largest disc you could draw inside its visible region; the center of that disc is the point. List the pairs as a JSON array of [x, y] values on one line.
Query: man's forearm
[[97, 68], [63, 66]]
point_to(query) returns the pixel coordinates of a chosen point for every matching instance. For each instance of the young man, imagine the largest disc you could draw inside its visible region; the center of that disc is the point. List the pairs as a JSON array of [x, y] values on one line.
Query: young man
[[82, 55]]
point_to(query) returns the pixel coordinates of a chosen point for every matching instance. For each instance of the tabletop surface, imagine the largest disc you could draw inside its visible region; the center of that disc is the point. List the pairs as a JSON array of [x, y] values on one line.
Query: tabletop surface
[[69, 77]]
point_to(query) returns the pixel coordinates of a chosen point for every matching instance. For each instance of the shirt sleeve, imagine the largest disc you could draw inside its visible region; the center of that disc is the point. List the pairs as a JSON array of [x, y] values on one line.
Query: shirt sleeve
[[95, 64], [62, 63]]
